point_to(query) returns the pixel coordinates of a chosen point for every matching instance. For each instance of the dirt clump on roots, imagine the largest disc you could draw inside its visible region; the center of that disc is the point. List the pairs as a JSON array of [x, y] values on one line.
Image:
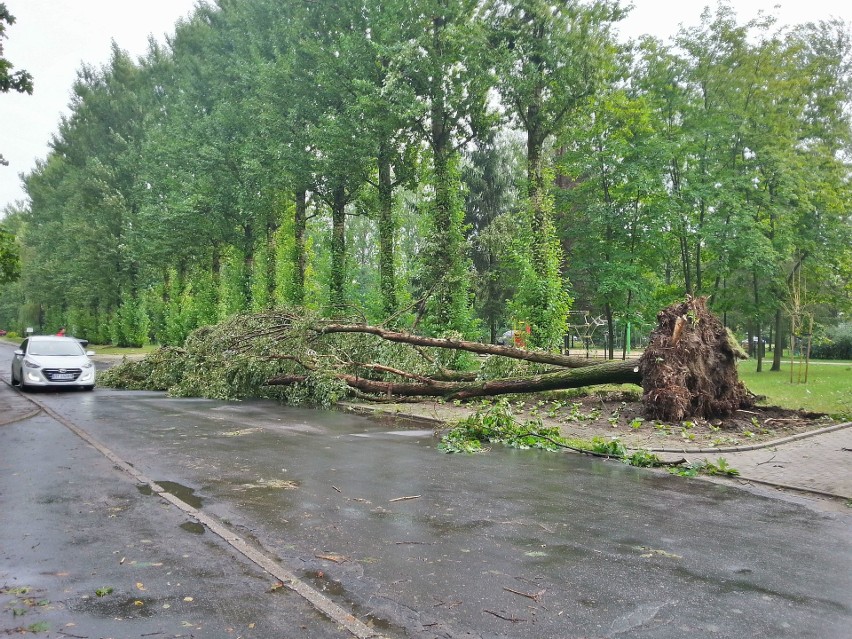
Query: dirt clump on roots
[[689, 369]]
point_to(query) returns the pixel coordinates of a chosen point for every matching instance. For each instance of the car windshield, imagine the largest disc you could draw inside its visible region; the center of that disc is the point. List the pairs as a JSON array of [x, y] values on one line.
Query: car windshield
[[55, 347]]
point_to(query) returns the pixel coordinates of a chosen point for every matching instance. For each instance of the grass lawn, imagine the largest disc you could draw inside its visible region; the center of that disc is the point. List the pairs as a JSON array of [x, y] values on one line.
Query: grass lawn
[[828, 390], [109, 349]]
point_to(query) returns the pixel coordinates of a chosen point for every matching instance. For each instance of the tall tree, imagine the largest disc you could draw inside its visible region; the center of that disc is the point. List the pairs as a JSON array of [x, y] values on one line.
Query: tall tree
[[555, 56], [492, 176], [445, 63], [614, 162]]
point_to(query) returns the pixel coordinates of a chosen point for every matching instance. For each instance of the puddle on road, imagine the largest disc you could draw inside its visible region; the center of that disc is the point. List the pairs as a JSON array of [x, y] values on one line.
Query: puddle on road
[[399, 433], [194, 527], [184, 493], [110, 607]]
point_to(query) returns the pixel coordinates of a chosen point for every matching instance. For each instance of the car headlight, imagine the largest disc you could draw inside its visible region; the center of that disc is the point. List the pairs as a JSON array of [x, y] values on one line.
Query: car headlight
[[88, 365], [30, 364]]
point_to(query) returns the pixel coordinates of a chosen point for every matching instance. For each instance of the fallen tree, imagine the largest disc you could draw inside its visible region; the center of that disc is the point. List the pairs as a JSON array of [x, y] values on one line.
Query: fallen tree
[[688, 370], [612, 372]]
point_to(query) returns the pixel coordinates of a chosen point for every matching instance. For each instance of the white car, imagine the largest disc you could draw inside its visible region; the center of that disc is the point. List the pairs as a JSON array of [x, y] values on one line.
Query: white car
[[52, 361]]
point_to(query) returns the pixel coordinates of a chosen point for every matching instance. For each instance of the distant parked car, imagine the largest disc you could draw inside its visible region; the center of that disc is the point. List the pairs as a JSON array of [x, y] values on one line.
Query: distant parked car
[[52, 361], [2, 332], [507, 338]]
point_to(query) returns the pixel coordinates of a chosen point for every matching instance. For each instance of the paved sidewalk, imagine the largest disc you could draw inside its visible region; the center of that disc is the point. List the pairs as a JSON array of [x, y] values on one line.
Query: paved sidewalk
[[820, 463]]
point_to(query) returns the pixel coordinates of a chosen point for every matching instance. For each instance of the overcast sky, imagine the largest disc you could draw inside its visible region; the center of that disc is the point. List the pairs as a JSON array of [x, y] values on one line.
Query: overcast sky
[[52, 39]]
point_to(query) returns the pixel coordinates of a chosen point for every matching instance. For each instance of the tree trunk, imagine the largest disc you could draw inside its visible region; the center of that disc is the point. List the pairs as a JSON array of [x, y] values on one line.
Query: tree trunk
[[540, 357], [612, 372], [688, 370], [271, 265], [778, 349], [299, 225], [610, 328], [337, 293], [387, 233]]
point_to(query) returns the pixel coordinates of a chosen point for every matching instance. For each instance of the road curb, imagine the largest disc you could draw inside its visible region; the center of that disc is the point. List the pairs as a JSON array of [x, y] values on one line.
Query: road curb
[[791, 487]]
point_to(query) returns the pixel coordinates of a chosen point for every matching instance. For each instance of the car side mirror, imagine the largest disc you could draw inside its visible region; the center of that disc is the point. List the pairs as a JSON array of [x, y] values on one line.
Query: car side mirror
[[19, 352], [89, 353]]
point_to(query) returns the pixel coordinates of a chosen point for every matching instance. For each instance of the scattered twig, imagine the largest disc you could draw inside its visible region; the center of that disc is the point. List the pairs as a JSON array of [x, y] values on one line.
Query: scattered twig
[[535, 597], [404, 498], [498, 615], [585, 451], [338, 559], [335, 488]]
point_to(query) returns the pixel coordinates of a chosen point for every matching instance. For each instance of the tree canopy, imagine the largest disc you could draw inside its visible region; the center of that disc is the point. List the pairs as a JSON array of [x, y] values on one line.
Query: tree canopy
[[450, 167]]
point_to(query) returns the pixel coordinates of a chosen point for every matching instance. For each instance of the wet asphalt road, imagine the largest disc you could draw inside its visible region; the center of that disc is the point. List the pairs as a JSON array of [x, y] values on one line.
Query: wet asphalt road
[[505, 544]]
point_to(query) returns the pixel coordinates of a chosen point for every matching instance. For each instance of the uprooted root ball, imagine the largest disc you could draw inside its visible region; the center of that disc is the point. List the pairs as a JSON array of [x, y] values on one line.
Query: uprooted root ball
[[689, 368]]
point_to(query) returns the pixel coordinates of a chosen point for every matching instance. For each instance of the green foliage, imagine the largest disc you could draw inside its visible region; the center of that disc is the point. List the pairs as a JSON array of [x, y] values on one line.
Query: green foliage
[[318, 389], [613, 447], [835, 344], [130, 324], [496, 424], [236, 358], [160, 370], [714, 164], [705, 467], [642, 459], [10, 258]]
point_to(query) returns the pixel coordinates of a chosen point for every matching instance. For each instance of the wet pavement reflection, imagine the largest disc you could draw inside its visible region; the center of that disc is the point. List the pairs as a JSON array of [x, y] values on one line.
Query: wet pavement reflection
[[508, 543]]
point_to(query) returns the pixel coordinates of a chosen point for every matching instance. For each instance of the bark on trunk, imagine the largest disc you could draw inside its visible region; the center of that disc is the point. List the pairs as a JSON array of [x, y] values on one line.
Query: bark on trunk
[[299, 226], [612, 372], [539, 357], [778, 349]]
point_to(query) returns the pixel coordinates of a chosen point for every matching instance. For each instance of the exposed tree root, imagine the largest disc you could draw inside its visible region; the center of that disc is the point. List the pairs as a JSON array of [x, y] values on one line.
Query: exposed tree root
[[689, 368]]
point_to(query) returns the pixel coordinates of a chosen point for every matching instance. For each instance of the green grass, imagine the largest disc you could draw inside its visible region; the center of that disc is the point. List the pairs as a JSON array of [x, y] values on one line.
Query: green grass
[[828, 390], [100, 349], [109, 349]]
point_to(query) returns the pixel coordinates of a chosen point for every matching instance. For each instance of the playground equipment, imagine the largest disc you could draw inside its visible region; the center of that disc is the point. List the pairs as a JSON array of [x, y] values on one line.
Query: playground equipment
[[582, 326]]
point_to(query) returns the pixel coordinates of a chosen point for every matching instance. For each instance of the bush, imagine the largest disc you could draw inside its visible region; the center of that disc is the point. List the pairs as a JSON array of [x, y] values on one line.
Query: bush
[[837, 343]]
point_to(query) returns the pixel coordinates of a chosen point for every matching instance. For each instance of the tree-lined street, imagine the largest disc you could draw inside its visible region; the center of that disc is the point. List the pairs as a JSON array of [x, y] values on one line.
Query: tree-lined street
[[411, 541], [454, 167]]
